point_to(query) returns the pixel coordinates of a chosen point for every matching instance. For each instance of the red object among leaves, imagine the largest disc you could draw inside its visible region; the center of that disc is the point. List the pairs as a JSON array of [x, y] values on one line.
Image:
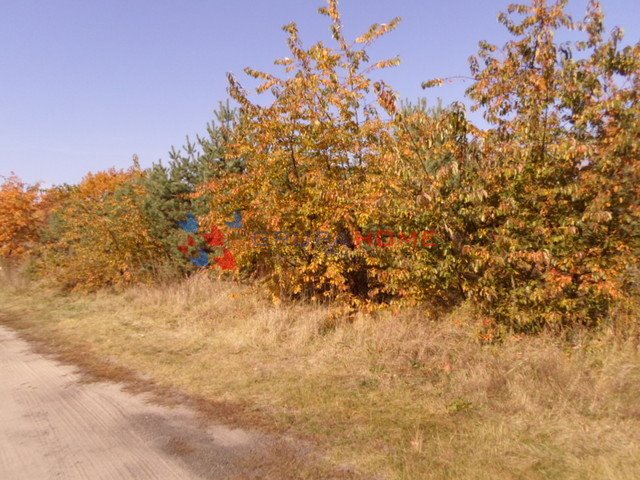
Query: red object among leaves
[[227, 261], [215, 238], [191, 242]]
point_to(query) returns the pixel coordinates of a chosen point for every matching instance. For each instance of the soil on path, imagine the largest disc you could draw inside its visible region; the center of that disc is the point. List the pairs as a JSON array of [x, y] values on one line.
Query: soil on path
[[54, 426]]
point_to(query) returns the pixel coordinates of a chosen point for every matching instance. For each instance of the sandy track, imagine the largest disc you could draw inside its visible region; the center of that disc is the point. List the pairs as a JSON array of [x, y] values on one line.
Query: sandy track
[[52, 426]]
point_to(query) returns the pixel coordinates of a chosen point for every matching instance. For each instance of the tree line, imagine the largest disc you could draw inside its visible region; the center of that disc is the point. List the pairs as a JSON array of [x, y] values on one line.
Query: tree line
[[535, 214]]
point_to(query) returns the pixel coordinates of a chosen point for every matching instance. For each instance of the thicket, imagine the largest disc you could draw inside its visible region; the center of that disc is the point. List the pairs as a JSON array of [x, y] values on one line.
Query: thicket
[[21, 216], [534, 215]]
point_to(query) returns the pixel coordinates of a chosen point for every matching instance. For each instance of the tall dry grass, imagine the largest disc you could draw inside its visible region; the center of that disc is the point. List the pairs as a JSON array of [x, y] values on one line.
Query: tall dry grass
[[396, 394]]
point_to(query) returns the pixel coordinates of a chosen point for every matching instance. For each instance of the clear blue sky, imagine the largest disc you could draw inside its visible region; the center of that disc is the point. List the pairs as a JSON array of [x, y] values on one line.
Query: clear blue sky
[[85, 84]]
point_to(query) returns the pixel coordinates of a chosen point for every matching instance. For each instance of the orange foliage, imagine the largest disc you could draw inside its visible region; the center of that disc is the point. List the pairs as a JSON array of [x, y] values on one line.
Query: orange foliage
[[99, 235], [306, 157], [20, 218]]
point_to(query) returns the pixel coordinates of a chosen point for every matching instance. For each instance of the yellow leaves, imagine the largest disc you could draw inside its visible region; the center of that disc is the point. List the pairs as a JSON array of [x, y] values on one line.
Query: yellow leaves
[[331, 10], [387, 97], [20, 217], [286, 61], [100, 236], [307, 155], [536, 216], [377, 30], [435, 82], [267, 85], [391, 62], [258, 74], [602, 216], [238, 93]]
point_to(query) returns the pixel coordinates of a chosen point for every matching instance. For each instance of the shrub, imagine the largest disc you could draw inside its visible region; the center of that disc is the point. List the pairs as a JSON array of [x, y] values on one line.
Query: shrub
[[306, 158], [556, 208], [21, 218], [98, 236]]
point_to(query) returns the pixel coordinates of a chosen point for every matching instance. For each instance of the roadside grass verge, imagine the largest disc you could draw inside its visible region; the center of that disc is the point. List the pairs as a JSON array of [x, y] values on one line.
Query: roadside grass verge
[[394, 395]]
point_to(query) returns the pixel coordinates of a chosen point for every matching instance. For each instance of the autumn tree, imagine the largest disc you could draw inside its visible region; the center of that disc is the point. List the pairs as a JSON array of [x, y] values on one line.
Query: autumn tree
[[98, 236], [20, 218], [557, 202], [306, 156], [536, 217], [429, 177]]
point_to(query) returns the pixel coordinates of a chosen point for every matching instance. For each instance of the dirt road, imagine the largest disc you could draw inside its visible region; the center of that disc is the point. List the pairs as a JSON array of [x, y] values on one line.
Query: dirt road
[[52, 426]]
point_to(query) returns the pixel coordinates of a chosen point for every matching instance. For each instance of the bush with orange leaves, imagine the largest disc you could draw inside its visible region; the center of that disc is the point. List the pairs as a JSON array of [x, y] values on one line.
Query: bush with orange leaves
[[98, 236], [20, 218], [306, 157]]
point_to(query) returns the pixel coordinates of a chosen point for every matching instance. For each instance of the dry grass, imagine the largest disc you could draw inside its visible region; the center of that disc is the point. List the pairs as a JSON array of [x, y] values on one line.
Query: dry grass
[[395, 395]]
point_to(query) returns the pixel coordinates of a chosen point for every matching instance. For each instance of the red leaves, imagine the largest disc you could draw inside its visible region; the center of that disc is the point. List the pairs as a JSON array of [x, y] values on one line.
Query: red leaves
[[227, 261], [215, 238], [191, 242]]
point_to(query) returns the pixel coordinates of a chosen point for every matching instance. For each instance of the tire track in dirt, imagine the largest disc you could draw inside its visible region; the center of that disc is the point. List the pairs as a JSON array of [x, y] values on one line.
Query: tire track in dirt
[[54, 426]]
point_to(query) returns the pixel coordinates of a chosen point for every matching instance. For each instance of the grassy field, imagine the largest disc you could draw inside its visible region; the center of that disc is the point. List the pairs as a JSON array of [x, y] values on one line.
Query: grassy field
[[395, 395]]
